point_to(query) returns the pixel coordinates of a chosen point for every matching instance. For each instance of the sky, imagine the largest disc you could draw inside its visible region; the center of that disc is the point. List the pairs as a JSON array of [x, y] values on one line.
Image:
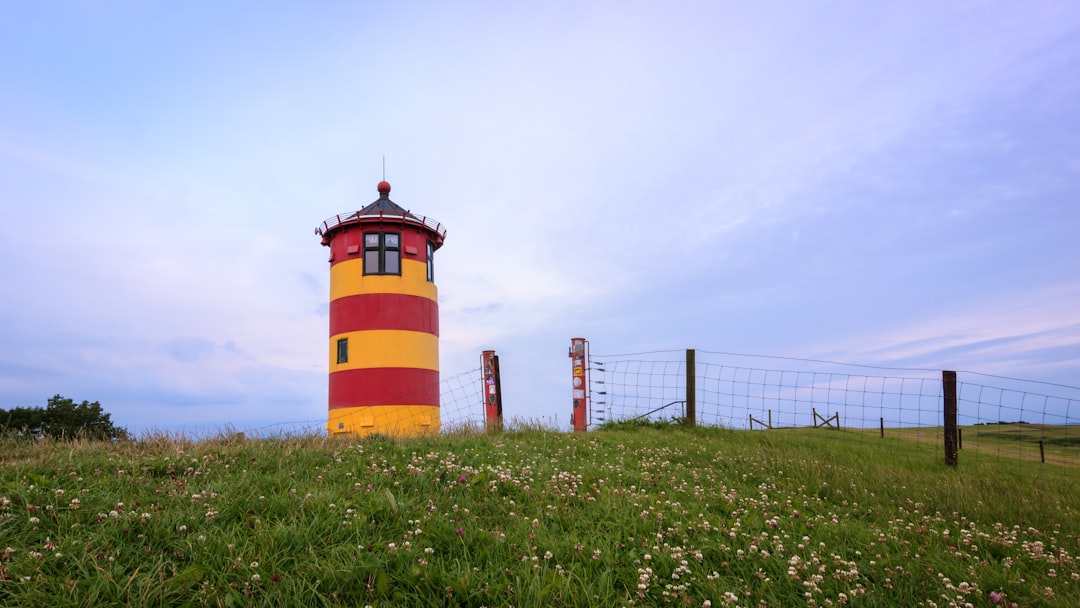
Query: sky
[[878, 183]]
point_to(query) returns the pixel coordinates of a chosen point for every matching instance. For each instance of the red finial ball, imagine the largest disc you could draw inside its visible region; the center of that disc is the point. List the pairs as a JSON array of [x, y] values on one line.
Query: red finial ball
[[384, 187]]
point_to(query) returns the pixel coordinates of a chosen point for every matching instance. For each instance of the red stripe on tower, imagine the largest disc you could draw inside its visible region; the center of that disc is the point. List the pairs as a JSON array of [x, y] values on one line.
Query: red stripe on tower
[[384, 311], [384, 386]]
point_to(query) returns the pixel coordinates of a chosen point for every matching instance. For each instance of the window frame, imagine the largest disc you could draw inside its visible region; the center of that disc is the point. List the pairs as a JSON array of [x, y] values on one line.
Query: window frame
[[342, 350], [382, 251], [430, 262]]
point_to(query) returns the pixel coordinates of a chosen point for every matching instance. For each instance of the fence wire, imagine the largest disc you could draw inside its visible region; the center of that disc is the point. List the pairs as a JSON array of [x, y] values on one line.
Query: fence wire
[[997, 416], [461, 404]]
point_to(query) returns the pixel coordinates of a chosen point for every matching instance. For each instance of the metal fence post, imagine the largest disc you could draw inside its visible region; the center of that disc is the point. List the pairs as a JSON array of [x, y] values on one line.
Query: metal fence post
[[492, 386]]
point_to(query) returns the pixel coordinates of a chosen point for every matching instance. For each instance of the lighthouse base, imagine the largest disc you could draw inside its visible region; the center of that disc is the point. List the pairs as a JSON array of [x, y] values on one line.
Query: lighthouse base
[[394, 420]]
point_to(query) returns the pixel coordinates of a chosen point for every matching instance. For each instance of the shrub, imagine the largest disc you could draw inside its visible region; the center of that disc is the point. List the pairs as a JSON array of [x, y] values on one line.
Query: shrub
[[62, 418]]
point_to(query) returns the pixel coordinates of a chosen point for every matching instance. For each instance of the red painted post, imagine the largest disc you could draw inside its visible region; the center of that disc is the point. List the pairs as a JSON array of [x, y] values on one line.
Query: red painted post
[[493, 414], [579, 358]]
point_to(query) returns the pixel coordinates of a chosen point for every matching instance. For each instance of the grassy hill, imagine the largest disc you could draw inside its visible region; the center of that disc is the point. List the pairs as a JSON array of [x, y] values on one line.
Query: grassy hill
[[624, 516]]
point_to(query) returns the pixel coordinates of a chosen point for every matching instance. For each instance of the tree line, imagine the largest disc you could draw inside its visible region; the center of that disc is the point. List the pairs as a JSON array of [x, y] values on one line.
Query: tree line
[[62, 418]]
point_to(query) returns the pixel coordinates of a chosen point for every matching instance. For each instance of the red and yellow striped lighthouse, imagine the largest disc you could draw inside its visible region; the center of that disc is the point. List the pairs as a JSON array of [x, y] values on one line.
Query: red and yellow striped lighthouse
[[384, 320]]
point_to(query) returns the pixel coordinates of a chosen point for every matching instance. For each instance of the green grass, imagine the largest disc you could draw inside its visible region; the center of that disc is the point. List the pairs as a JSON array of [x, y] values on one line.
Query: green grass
[[1014, 441], [623, 516]]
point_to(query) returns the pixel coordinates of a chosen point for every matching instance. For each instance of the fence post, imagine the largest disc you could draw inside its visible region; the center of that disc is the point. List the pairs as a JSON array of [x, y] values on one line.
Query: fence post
[[691, 388], [948, 383], [493, 414], [580, 416]]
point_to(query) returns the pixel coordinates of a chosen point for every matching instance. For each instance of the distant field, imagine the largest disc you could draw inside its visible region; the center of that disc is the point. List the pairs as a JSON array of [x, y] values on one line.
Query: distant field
[[1061, 443], [616, 517]]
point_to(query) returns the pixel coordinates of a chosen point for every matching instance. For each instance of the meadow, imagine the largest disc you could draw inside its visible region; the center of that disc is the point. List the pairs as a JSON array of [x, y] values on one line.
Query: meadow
[[623, 516]]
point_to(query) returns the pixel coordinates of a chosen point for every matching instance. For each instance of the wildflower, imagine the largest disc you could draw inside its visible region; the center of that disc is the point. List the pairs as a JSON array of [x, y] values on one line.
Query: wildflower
[[460, 532], [34, 520], [996, 597], [254, 564]]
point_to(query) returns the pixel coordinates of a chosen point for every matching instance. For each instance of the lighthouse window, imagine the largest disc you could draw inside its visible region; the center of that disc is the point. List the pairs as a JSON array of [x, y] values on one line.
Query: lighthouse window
[[343, 350], [392, 253], [430, 262], [382, 253]]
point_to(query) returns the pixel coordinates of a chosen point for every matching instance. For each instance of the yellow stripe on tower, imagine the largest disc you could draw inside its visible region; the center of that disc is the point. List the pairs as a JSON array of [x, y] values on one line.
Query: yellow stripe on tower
[[406, 420], [387, 348], [348, 279]]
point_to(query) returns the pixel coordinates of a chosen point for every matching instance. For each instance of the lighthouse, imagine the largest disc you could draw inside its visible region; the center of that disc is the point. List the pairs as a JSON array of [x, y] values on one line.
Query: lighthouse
[[384, 320]]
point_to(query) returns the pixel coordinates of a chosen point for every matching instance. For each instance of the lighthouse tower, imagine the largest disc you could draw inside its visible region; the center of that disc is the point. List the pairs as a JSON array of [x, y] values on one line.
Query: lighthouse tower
[[384, 320]]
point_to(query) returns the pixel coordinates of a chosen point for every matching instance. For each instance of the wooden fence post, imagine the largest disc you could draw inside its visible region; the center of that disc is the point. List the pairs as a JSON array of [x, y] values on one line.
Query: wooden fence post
[[948, 382], [691, 388]]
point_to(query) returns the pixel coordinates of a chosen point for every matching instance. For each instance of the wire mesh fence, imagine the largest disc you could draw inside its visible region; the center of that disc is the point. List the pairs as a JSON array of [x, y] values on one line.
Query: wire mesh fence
[[461, 407], [1011, 419], [997, 416]]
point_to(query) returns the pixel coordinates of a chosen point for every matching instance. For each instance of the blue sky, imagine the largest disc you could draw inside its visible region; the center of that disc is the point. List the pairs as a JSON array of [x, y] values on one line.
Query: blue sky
[[875, 183]]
